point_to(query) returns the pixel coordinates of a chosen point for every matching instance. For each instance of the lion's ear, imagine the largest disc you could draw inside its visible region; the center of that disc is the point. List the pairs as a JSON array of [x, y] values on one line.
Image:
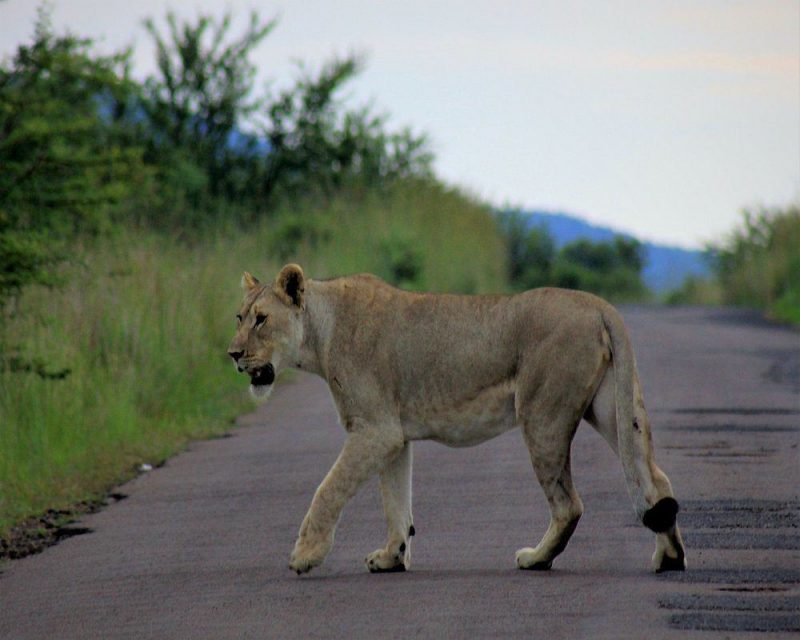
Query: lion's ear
[[290, 285], [249, 282]]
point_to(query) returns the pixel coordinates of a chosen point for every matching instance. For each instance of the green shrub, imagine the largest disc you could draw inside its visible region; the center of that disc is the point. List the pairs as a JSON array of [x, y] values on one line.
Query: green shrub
[[401, 261], [759, 264]]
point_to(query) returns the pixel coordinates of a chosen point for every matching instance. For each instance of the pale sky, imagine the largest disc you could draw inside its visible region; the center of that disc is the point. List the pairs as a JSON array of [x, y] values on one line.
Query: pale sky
[[662, 119]]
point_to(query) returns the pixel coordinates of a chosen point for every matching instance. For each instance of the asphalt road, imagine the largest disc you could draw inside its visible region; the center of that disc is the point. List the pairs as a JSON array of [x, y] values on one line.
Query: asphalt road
[[200, 547]]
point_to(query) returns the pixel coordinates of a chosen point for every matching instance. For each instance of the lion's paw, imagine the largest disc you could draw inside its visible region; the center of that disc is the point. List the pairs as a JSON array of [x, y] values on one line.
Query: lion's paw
[[307, 556], [383, 561], [528, 558], [662, 561]]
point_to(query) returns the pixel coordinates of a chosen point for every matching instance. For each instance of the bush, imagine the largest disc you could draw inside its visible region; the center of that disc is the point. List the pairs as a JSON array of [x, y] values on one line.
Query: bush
[[401, 261], [220, 152], [609, 269], [531, 251], [759, 264]]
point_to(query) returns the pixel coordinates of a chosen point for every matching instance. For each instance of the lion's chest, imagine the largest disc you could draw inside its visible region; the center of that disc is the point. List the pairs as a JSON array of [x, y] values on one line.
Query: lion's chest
[[463, 422]]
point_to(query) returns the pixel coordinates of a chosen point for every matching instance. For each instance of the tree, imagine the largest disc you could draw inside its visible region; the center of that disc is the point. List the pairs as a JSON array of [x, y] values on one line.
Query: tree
[[531, 251], [201, 97], [63, 165], [609, 269], [316, 143], [215, 144]]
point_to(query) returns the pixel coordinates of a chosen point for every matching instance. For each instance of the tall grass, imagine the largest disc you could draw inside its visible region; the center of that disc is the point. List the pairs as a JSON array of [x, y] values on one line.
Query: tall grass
[[142, 327], [143, 324], [418, 234]]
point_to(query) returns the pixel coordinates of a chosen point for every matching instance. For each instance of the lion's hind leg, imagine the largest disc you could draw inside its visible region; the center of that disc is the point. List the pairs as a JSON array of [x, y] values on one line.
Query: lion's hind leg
[[660, 517], [549, 447], [395, 481]]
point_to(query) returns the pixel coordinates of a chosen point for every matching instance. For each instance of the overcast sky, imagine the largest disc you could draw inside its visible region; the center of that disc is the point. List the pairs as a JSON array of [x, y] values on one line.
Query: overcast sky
[[659, 118]]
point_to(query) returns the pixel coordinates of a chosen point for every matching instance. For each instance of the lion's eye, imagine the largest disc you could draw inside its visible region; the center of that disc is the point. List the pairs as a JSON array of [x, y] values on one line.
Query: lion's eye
[[260, 318], [239, 318]]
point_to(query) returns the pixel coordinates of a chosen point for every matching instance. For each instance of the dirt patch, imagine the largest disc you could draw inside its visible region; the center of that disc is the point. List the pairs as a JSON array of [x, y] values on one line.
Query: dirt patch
[[35, 534]]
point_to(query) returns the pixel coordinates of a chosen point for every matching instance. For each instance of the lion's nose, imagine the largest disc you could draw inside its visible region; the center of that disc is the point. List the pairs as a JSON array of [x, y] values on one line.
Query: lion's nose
[[236, 355]]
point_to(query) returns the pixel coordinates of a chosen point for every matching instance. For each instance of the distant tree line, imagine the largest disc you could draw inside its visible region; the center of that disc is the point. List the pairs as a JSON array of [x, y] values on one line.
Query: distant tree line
[[609, 269]]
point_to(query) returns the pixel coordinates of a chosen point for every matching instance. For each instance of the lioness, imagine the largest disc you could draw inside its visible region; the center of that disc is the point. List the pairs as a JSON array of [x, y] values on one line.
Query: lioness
[[459, 370]]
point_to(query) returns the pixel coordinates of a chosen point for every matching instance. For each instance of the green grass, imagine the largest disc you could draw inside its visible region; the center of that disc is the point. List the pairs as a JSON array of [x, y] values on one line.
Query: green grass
[[452, 240], [142, 327], [143, 324]]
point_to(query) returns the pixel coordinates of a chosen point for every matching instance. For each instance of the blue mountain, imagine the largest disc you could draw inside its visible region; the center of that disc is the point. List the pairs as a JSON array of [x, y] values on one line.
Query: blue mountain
[[666, 267]]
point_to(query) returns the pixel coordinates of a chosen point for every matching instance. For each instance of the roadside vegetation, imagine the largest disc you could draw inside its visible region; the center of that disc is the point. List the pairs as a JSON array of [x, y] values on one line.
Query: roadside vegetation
[[757, 266], [128, 211], [129, 208]]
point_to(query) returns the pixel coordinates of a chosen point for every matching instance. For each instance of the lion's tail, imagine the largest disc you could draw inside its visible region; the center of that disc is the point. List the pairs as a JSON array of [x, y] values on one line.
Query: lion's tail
[[647, 485]]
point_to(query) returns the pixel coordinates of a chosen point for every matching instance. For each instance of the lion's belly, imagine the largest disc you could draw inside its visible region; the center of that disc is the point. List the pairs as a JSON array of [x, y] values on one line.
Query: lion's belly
[[466, 423]]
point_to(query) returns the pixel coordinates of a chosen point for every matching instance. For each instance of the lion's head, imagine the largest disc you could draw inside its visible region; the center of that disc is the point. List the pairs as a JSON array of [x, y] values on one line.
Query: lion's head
[[270, 327]]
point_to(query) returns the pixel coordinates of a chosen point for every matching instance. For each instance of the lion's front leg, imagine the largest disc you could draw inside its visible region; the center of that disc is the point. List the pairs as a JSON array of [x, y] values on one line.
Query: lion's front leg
[[396, 496], [365, 452]]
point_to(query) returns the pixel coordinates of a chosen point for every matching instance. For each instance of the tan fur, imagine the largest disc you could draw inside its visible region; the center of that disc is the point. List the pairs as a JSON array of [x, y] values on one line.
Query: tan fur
[[459, 370]]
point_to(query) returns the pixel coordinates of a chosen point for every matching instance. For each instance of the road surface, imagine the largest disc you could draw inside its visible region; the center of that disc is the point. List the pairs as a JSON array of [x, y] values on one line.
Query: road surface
[[200, 547]]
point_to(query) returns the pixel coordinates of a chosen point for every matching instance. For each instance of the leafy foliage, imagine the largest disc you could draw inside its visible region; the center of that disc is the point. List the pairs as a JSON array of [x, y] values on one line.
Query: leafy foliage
[[83, 147], [531, 251], [316, 142], [610, 269], [219, 149], [401, 261], [695, 291], [202, 96], [64, 165], [759, 264]]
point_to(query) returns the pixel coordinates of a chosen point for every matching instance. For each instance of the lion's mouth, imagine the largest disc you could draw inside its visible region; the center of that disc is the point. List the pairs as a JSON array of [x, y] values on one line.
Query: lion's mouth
[[263, 376]]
